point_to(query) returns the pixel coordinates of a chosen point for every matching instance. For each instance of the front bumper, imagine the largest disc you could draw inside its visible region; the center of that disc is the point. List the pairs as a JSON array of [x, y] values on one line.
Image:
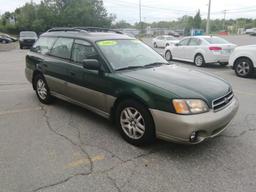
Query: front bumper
[[179, 128]]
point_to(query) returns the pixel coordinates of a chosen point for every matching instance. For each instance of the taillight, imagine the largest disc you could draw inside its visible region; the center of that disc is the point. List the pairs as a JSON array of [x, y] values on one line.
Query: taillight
[[215, 48]]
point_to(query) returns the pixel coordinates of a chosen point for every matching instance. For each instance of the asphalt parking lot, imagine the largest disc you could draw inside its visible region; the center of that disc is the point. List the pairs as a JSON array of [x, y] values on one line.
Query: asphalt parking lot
[[65, 148]]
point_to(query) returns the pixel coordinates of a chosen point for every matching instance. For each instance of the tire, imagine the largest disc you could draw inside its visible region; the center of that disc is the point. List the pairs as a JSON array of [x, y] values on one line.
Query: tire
[[168, 55], [135, 123], [155, 45], [21, 46], [42, 90], [4, 42], [199, 60], [244, 67], [167, 45]]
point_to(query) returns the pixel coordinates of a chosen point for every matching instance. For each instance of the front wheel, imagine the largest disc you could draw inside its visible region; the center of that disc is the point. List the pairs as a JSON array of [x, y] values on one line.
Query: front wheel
[[42, 90], [135, 123], [243, 67], [199, 60]]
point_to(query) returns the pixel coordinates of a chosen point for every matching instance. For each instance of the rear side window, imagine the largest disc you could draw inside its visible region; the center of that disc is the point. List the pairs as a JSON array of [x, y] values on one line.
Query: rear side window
[[195, 42], [83, 50], [43, 45], [62, 48]]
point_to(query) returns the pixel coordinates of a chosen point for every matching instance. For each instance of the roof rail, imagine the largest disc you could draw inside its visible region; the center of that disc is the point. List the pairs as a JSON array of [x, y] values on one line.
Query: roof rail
[[83, 29], [98, 29], [64, 29]]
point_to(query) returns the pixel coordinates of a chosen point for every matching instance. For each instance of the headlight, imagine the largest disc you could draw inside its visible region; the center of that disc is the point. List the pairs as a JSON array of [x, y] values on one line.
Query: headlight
[[189, 106]]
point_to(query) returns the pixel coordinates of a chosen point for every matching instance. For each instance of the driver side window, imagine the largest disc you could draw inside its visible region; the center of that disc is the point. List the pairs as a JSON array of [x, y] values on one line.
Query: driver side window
[[83, 50]]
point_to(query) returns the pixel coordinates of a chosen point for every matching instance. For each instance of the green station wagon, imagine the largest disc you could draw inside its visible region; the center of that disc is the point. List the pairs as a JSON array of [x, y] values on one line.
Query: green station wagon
[[121, 78]]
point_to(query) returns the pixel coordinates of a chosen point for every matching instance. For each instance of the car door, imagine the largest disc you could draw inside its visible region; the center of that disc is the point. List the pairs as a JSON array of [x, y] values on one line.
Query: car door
[[51, 67], [86, 86], [194, 44], [56, 65], [179, 50]]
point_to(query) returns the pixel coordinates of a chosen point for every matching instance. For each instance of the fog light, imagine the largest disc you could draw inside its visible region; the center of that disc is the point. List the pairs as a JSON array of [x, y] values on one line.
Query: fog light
[[193, 137]]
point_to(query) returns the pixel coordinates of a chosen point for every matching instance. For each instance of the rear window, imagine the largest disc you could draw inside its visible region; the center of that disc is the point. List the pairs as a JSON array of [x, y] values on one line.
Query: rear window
[[28, 34], [216, 40], [43, 45]]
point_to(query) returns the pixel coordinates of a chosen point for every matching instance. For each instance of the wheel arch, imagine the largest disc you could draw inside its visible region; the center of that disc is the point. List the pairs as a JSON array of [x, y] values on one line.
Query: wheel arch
[[124, 97], [35, 73], [241, 57]]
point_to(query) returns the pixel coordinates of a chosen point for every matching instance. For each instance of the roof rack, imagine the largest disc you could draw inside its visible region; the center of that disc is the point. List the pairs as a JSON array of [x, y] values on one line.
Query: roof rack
[[98, 29], [84, 29], [64, 29]]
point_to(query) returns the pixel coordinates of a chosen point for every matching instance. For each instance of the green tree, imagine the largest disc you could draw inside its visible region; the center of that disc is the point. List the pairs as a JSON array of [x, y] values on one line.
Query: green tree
[[197, 20]]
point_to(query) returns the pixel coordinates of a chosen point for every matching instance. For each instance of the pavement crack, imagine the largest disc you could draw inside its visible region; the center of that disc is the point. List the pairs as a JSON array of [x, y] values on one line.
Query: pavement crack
[[59, 182], [73, 143], [113, 181]]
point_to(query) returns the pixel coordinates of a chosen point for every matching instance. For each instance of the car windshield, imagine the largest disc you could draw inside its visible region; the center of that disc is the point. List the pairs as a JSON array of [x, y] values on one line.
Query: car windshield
[[216, 40], [129, 54], [28, 34]]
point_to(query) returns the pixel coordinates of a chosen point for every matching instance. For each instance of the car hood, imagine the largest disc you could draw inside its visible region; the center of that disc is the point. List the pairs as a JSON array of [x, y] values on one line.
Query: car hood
[[183, 82]]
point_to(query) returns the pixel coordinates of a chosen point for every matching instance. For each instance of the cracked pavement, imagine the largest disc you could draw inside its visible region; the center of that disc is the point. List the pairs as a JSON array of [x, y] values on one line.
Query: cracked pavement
[[63, 148]]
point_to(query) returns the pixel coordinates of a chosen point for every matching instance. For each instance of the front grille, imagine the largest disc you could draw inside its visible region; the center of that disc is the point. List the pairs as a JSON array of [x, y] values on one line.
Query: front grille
[[29, 40], [222, 102]]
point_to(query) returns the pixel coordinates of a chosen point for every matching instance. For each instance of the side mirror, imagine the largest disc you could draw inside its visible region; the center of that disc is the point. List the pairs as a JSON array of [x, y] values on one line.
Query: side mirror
[[91, 64]]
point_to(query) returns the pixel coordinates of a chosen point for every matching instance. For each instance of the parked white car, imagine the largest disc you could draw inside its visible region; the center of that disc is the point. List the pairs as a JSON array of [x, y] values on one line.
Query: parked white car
[[243, 60], [201, 50], [164, 41]]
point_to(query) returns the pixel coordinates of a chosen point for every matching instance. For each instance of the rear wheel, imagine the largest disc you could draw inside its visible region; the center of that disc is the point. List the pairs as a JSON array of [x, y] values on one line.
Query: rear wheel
[[155, 45], [244, 67], [199, 60], [135, 123], [42, 90], [167, 45], [168, 55]]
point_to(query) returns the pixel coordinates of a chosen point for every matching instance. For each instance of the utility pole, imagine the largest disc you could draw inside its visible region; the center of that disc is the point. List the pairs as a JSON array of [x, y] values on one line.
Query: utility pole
[[224, 20], [141, 27], [208, 18]]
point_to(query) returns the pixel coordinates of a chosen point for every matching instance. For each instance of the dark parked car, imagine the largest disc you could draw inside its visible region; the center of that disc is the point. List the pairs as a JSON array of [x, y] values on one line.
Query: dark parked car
[[120, 78], [27, 38], [14, 39], [4, 39]]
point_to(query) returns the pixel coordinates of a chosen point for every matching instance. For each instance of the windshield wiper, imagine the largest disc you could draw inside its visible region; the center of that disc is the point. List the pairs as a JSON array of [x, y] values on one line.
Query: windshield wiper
[[129, 67], [155, 64]]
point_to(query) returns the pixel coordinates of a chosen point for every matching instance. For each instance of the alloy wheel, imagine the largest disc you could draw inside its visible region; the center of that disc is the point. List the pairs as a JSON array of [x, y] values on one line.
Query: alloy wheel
[[41, 89], [168, 56], [132, 123], [199, 60], [243, 68]]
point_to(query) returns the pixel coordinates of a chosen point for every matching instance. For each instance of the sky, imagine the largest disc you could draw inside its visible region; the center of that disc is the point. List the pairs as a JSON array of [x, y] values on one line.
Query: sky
[[156, 10]]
